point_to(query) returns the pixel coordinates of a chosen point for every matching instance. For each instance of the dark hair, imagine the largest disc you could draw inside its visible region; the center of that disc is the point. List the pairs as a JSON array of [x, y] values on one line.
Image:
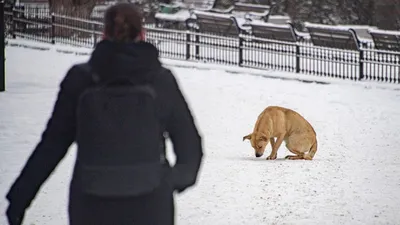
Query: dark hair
[[123, 22]]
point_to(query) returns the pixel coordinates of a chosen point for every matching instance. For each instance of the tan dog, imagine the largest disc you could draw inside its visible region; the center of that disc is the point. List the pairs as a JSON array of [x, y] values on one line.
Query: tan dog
[[285, 125]]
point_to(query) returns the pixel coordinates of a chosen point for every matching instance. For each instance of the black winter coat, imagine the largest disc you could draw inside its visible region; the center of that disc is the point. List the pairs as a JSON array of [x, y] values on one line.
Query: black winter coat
[[137, 60]]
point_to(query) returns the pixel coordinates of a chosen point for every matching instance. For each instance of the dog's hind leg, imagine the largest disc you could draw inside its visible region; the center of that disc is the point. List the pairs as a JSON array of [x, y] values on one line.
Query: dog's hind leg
[[295, 147], [294, 157], [298, 155], [311, 153], [299, 145]]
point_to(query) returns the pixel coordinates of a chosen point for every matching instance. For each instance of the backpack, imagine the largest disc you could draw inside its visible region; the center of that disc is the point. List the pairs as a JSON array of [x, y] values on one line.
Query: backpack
[[120, 149]]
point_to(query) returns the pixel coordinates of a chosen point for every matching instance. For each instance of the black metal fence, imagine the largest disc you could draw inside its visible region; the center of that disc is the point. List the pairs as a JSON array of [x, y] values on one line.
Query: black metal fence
[[2, 45], [365, 63]]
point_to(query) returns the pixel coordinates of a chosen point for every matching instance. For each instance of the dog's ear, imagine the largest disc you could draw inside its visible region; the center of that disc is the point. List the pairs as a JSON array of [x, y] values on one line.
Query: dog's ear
[[264, 138], [247, 137]]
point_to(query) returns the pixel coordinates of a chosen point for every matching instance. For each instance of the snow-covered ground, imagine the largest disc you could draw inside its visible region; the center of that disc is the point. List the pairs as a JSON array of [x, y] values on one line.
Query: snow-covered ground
[[353, 179]]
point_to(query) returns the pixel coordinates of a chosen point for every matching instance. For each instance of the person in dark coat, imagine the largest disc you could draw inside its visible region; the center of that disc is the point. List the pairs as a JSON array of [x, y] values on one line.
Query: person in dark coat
[[122, 52]]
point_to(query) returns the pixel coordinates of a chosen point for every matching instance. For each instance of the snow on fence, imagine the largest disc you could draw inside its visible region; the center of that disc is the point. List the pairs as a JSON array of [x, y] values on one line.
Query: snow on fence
[[280, 49]]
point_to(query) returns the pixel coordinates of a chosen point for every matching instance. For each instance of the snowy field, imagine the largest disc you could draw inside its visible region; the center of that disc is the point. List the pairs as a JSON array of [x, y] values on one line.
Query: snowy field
[[353, 179]]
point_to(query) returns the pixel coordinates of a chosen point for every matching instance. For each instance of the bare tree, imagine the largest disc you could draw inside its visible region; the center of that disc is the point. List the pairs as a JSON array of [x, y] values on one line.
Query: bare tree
[[388, 14], [76, 9], [81, 8], [384, 14]]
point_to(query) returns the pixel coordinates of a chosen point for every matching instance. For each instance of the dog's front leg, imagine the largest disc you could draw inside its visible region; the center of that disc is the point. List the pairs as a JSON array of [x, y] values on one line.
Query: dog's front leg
[[272, 140], [275, 146]]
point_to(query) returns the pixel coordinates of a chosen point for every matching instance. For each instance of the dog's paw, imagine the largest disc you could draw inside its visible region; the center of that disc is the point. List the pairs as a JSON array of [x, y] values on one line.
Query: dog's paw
[[271, 157]]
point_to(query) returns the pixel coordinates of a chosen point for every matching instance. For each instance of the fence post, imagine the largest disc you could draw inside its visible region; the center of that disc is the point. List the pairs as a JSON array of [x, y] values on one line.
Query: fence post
[[297, 58], [13, 24], [240, 50], [361, 67], [3, 58], [197, 48], [53, 29], [94, 28], [188, 46]]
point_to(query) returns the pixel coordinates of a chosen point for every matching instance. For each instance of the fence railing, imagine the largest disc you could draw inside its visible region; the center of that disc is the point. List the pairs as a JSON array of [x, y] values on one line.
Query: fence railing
[[2, 45], [365, 63]]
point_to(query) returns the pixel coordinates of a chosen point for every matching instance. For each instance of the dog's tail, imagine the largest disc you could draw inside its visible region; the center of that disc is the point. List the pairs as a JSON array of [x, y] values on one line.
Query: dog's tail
[[313, 150]]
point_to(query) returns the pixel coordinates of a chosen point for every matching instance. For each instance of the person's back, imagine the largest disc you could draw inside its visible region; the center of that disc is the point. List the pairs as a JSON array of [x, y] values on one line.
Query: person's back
[[120, 54]]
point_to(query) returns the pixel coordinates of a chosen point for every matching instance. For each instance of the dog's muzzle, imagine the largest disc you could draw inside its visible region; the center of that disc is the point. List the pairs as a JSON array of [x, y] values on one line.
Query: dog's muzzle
[[258, 155]]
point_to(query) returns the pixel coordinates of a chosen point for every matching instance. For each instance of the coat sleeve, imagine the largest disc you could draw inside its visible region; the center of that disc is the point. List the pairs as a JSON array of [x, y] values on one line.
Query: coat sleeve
[[186, 140], [54, 144]]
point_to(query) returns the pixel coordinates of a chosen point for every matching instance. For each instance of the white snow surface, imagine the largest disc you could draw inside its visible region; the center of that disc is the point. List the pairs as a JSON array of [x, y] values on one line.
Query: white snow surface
[[253, 5], [324, 26], [182, 15], [387, 32], [353, 179], [267, 24]]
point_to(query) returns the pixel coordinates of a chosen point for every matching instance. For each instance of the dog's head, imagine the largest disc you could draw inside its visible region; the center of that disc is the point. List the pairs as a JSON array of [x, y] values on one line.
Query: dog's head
[[258, 141]]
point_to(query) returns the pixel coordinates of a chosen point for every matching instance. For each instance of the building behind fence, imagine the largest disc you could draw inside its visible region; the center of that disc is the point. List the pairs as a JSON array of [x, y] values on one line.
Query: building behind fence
[[326, 51]]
